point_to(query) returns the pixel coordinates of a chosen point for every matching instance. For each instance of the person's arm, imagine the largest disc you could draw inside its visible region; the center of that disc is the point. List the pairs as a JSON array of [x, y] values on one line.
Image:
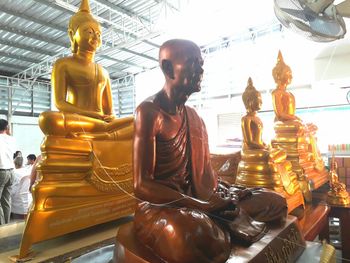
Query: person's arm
[[248, 135], [147, 125], [60, 89]]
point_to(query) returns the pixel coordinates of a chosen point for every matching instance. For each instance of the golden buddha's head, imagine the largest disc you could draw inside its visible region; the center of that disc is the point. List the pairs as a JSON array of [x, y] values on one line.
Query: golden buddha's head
[[281, 73], [251, 97], [83, 30]]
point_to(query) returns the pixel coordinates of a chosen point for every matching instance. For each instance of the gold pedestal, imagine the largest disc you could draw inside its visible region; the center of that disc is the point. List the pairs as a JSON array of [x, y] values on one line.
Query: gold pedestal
[[341, 199], [311, 173], [81, 184], [256, 169]]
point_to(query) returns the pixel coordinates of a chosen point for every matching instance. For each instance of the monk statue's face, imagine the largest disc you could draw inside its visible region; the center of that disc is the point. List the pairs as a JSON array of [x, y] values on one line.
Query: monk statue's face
[[187, 72], [88, 37]]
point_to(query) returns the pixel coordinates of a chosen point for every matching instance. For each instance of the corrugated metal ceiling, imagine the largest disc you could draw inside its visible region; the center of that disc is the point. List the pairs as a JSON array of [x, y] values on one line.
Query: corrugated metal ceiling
[[33, 31]]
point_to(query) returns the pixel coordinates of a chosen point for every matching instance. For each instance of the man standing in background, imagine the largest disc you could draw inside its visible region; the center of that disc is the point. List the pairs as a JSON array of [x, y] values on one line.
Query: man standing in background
[[7, 149]]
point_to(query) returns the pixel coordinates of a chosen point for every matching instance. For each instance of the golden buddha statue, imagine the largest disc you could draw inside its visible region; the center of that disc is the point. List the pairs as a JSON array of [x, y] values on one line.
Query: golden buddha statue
[[86, 168], [82, 88], [261, 165], [337, 195], [296, 138]]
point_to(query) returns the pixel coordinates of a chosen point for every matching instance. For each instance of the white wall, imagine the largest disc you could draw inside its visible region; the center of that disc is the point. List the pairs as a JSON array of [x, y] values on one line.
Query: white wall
[[27, 134], [147, 84]]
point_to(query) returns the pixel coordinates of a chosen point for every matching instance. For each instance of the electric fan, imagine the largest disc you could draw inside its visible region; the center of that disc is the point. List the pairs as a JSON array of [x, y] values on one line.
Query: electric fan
[[318, 20]]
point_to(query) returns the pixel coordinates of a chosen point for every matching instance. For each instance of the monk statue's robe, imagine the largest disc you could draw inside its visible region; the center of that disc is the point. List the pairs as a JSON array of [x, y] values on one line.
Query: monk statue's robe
[[183, 164]]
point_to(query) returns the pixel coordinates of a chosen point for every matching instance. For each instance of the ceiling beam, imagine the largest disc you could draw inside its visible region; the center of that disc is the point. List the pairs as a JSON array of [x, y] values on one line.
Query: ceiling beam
[[69, 10], [32, 19], [10, 65], [118, 30], [33, 35], [168, 4], [25, 47], [18, 57], [123, 10], [122, 61], [139, 54]]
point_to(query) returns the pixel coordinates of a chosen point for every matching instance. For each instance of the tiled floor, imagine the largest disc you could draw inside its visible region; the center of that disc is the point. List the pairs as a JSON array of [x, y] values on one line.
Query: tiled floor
[[61, 249]]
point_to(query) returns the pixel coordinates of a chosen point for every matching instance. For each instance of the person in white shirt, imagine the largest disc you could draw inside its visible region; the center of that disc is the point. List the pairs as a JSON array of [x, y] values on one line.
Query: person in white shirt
[[20, 195], [7, 149]]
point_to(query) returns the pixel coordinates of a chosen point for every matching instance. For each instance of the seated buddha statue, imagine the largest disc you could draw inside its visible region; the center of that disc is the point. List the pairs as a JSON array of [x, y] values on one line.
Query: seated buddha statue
[[85, 175], [296, 138], [337, 195], [185, 212], [261, 165], [82, 88]]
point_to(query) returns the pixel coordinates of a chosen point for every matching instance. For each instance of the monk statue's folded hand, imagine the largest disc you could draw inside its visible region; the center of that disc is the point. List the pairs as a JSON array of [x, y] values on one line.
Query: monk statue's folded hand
[[244, 193], [218, 201], [230, 214]]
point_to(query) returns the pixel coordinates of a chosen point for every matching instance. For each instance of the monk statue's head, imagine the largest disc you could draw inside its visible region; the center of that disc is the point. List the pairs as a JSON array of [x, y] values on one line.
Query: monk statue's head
[[182, 64], [281, 73], [84, 31], [251, 97]]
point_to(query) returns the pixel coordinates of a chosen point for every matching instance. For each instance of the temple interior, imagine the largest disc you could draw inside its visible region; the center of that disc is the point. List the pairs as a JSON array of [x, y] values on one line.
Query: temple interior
[[174, 131]]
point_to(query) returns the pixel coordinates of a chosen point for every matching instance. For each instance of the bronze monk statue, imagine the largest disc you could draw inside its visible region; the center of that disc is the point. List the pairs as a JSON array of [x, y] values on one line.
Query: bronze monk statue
[[187, 214]]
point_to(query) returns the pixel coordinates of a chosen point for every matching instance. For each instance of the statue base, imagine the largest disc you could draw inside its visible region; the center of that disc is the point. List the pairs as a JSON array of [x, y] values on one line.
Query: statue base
[[342, 199], [282, 244], [294, 201], [81, 184]]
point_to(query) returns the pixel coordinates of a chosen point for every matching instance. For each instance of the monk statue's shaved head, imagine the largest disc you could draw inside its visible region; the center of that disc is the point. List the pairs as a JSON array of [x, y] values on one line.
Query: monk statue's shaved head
[[175, 50]]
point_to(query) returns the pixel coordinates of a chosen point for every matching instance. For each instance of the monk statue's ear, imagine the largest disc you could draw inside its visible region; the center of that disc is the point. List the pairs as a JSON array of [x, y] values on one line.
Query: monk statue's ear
[[167, 68]]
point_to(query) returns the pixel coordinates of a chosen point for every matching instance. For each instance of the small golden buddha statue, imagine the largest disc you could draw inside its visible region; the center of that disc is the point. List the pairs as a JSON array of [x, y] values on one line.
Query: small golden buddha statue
[[337, 195], [261, 165], [85, 176], [296, 138]]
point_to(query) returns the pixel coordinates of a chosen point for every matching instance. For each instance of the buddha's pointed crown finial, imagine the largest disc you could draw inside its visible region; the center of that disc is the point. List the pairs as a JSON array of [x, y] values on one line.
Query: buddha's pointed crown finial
[[82, 16], [280, 69], [279, 57], [250, 87], [84, 6]]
